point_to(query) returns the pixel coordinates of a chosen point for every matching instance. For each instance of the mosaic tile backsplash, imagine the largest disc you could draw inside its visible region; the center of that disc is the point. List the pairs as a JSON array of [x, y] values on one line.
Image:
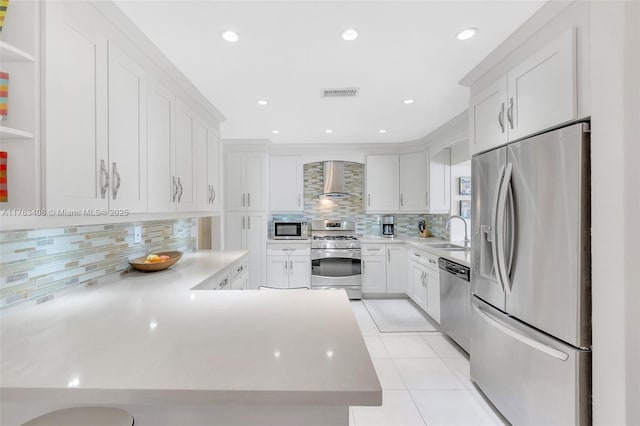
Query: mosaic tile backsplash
[[35, 264], [352, 208]]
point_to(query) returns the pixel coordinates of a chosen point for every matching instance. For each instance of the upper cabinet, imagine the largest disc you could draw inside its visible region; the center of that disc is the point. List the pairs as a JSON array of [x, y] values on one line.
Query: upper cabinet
[[382, 184], [537, 94], [246, 181], [413, 182], [439, 196], [286, 192]]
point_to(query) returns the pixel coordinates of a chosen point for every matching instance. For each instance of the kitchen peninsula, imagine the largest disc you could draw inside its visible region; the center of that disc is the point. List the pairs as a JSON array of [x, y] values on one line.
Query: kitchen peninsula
[[171, 354]]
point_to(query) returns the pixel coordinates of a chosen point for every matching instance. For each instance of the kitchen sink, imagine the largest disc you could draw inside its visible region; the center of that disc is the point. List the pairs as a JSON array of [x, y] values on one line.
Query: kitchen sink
[[448, 247]]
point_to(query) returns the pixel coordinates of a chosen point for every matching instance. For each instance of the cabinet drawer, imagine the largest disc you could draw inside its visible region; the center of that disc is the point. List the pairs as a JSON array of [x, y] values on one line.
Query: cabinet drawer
[[373, 249], [288, 249], [239, 268], [219, 281], [424, 258]]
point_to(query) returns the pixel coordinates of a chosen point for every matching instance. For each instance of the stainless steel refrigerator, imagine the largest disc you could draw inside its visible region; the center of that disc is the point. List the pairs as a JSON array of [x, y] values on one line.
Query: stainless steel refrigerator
[[530, 347]]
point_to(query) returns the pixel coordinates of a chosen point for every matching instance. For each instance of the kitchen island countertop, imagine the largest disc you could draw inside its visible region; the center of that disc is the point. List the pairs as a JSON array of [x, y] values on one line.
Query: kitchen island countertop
[[149, 344]]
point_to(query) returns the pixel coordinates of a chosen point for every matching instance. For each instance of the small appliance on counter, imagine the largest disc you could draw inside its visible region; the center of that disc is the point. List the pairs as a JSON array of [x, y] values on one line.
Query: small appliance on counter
[[388, 226], [423, 231]]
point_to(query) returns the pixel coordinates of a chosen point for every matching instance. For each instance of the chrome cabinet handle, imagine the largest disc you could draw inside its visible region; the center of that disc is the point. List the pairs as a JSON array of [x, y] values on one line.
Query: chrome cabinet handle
[[401, 201], [179, 186], [248, 222], [210, 194], [243, 218], [249, 200], [388, 255], [510, 113], [362, 263], [104, 179], [501, 117], [174, 192], [243, 199], [116, 176], [298, 200], [416, 254], [432, 261], [224, 283], [291, 265], [369, 200], [286, 265], [213, 194]]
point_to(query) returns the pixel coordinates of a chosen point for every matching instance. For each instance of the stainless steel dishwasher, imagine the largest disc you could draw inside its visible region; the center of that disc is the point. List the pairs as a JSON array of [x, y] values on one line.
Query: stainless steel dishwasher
[[455, 301]]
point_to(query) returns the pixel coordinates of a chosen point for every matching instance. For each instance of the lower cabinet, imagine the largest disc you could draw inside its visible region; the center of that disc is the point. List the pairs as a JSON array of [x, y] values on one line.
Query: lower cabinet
[[248, 231], [384, 268], [239, 273], [288, 265], [425, 279]]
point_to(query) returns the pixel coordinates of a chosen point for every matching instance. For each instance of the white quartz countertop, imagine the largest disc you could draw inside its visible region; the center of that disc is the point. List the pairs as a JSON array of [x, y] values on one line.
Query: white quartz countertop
[[458, 256], [148, 338]]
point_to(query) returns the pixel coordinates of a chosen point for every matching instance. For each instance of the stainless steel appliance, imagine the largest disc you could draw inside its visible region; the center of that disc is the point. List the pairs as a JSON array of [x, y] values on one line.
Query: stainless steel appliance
[[455, 301], [289, 230], [335, 257], [388, 226], [531, 278]]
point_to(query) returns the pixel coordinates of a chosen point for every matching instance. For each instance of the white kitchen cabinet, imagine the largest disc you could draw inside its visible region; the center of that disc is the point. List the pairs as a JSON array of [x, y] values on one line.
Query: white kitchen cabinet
[[439, 194], [161, 104], [382, 183], [286, 192], [77, 162], [248, 231], [246, 181], [207, 147], [537, 94], [433, 293], [127, 106], [419, 293], [413, 183], [374, 268], [239, 274], [185, 139], [288, 265], [396, 268], [425, 279]]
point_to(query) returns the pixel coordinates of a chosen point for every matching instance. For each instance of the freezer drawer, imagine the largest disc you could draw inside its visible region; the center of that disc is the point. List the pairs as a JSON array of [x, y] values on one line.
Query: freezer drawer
[[531, 378]]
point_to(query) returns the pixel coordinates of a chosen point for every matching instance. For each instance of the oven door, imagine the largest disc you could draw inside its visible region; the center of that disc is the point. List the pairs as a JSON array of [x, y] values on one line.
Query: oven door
[[337, 269]]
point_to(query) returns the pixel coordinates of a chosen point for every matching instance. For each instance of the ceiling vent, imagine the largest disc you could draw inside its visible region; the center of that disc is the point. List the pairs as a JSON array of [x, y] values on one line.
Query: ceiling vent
[[340, 92]]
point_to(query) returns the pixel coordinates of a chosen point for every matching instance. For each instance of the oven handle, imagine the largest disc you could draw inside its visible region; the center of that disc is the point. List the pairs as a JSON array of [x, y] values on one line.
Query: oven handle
[[335, 253]]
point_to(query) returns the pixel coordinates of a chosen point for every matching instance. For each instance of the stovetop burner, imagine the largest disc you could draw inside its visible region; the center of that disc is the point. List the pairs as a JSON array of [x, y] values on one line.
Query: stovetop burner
[[335, 237]]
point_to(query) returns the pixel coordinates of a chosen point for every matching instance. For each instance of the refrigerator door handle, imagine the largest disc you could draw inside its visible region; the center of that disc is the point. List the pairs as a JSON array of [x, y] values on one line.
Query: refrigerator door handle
[[493, 233], [503, 269], [527, 340]]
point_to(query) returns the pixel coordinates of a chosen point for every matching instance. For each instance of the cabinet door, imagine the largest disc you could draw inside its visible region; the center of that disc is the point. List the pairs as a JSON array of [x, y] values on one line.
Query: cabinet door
[[488, 118], [440, 182], [185, 119], [433, 294], [419, 286], [235, 231], [127, 133], [235, 181], [299, 271], [383, 183], [257, 175], [374, 274], [257, 246], [160, 148], [214, 169], [413, 182], [285, 184], [201, 163], [542, 89], [396, 268], [278, 271], [77, 160]]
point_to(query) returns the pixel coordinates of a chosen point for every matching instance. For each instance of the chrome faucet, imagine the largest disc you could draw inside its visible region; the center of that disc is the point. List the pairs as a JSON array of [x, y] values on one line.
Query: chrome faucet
[[466, 235]]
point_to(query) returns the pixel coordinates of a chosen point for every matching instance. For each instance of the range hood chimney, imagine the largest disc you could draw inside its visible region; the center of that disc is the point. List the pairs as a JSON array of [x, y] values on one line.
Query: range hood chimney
[[334, 180]]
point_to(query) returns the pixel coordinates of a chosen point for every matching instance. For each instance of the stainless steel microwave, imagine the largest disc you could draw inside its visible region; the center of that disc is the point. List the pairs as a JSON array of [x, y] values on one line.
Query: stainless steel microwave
[[290, 230]]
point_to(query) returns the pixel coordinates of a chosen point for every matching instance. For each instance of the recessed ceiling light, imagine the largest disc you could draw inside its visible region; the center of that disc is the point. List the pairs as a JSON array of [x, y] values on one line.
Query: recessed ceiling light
[[349, 34], [275, 132], [230, 36], [262, 102], [382, 131], [467, 33], [328, 131], [408, 101]]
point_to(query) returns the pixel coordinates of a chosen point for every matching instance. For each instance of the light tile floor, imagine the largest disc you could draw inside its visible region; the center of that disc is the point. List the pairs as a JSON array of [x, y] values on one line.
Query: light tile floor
[[424, 378]]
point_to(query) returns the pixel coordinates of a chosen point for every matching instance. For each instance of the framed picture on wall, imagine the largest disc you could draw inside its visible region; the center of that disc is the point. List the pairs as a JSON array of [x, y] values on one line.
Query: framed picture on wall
[[465, 209], [465, 185]]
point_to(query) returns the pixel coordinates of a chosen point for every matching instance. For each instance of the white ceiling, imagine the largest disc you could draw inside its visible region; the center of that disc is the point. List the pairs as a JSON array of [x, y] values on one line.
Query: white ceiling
[[289, 50]]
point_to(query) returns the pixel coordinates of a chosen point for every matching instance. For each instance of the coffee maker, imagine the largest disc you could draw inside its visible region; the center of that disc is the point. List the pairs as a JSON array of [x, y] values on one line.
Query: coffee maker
[[388, 226]]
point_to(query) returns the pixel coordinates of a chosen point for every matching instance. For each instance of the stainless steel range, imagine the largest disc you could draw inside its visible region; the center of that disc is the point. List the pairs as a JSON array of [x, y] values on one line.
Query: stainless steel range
[[335, 257]]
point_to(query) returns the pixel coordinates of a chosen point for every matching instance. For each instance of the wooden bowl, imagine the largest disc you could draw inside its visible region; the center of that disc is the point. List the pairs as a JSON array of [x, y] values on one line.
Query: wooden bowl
[[140, 264]]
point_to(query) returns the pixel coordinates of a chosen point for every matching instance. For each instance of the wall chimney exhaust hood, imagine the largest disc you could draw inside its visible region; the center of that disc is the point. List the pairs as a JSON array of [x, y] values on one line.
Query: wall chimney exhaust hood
[[333, 180]]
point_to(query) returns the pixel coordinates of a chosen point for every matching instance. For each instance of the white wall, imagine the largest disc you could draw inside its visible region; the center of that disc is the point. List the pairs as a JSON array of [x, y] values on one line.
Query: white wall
[[615, 204]]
